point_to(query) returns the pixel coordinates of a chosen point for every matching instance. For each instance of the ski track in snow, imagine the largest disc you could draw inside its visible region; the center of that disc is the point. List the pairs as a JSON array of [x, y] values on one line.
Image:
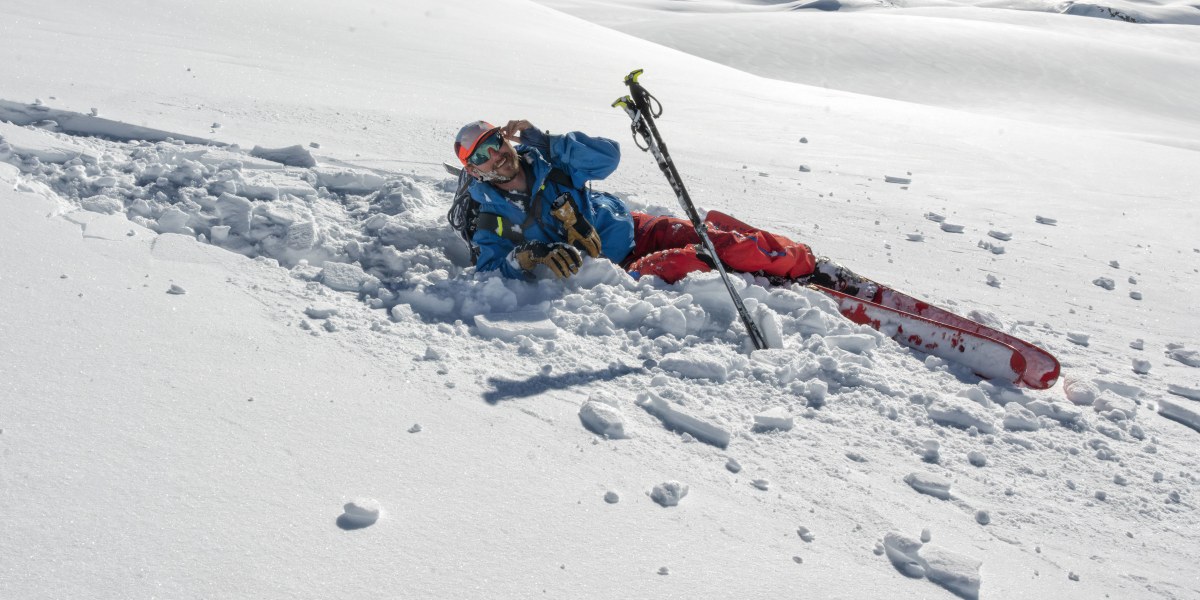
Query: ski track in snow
[[368, 245]]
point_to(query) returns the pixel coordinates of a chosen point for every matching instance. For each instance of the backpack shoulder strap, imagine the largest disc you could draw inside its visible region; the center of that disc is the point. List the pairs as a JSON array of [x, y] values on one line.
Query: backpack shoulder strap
[[498, 225], [560, 177]]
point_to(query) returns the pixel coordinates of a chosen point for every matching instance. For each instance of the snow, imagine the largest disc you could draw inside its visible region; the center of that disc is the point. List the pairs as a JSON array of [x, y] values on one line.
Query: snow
[[777, 418], [956, 572], [360, 513], [678, 418], [669, 493], [603, 418], [929, 483], [328, 309]]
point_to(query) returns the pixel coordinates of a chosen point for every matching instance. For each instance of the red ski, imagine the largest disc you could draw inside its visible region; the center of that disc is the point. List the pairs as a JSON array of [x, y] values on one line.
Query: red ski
[[1041, 368], [989, 353]]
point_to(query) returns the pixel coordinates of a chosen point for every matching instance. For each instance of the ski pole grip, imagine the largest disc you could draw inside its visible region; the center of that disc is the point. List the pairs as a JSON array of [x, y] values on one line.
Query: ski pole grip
[[632, 77]]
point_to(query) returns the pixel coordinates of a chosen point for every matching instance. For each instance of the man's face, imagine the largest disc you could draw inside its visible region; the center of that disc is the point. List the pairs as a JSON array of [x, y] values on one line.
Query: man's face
[[501, 164]]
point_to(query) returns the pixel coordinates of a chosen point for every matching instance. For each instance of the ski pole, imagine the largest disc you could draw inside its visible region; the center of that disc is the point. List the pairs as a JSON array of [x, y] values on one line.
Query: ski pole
[[637, 105]]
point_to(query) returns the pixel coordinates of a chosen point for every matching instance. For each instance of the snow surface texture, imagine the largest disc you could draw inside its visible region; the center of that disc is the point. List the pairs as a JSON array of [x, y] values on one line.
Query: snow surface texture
[[328, 309]]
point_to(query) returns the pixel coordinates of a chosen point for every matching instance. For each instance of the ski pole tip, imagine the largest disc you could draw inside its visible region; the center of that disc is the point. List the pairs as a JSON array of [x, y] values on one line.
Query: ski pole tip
[[632, 77]]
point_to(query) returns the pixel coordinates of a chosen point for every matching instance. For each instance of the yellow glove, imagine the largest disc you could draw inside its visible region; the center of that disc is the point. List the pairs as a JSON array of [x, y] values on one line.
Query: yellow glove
[[561, 259], [580, 233]]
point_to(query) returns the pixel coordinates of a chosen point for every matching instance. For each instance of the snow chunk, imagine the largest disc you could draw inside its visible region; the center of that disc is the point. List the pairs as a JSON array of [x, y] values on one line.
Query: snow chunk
[[1045, 220], [33, 143], [344, 277], [509, 326], [957, 573], [805, 534], [1105, 282], [1003, 236], [1187, 356], [612, 497], [272, 185], [1076, 337], [902, 551], [1063, 413], [176, 290], [1141, 366], [953, 412], [602, 418], [1183, 412], [1019, 418], [668, 493], [292, 156], [1187, 391], [952, 228], [1081, 392], [929, 484], [359, 513], [674, 418], [348, 181], [856, 343], [1108, 401], [695, 364], [776, 418], [321, 310]]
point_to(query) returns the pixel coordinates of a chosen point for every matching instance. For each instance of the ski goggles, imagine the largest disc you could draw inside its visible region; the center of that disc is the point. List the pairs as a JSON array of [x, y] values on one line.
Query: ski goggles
[[482, 152]]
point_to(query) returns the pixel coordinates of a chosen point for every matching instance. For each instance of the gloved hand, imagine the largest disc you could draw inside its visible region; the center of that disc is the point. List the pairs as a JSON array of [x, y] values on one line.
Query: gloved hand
[[580, 233], [561, 259]]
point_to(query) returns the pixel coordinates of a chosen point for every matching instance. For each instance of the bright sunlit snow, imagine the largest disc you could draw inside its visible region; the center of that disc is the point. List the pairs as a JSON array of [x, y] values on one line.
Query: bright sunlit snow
[[243, 354]]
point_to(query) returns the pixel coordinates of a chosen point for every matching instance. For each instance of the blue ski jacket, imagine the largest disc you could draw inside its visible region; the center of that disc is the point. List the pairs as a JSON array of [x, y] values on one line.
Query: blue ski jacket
[[582, 158]]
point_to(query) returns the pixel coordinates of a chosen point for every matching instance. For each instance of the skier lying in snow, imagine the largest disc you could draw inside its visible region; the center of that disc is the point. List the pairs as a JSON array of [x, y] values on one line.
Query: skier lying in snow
[[528, 206]]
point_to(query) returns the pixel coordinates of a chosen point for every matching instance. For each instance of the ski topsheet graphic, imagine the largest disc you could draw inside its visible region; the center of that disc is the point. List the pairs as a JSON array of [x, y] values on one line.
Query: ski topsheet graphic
[[989, 353]]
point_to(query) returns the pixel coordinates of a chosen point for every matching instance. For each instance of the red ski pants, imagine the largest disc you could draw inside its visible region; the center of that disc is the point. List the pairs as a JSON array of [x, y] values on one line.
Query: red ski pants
[[666, 247]]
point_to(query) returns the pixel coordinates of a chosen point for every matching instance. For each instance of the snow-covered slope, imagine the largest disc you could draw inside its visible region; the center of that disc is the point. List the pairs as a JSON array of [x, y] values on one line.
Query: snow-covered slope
[[209, 354], [1098, 74]]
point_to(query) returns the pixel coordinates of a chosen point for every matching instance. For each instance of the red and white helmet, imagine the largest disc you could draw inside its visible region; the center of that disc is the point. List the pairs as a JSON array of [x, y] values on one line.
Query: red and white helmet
[[469, 136]]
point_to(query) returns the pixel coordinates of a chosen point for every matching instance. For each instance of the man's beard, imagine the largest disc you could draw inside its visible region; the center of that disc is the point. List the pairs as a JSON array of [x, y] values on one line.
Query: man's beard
[[494, 176]]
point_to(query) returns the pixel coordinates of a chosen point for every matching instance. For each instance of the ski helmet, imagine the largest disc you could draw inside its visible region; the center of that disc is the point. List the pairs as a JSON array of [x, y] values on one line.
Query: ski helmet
[[469, 137]]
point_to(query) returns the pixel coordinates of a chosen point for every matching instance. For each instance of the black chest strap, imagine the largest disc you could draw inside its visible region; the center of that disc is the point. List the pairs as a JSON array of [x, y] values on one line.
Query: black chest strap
[[511, 231]]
